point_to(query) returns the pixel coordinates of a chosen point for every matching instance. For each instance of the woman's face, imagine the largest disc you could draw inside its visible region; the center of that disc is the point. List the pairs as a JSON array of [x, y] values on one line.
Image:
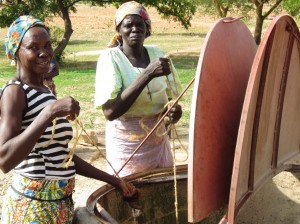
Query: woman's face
[[35, 52], [133, 30]]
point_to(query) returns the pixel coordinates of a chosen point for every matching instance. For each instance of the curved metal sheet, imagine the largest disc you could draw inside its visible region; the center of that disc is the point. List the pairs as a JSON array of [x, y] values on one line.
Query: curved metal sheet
[[269, 132], [221, 79]]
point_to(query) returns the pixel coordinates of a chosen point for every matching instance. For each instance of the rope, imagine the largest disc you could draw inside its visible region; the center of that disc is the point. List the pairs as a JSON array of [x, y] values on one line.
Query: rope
[[175, 133], [69, 158], [173, 76], [171, 126], [174, 93], [158, 123], [95, 144], [175, 180], [147, 129], [52, 136]]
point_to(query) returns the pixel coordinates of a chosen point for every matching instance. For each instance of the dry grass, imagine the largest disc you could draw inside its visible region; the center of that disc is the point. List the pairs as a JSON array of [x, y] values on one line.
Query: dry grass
[[95, 25]]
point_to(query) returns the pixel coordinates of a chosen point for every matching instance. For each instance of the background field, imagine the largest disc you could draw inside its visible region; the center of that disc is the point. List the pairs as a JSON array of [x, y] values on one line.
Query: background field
[[93, 28]]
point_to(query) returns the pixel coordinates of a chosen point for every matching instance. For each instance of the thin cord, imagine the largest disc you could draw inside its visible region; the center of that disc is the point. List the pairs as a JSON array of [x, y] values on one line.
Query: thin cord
[[69, 158], [175, 180], [52, 136], [67, 161], [95, 144], [173, 75]]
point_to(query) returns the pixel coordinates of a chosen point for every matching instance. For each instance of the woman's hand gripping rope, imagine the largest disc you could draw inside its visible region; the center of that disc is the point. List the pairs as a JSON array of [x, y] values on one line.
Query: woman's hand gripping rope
[[129, 192]]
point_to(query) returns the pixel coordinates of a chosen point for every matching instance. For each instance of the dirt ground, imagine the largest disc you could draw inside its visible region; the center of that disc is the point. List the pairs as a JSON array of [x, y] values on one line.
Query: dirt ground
[[84, 187], [278, 202]]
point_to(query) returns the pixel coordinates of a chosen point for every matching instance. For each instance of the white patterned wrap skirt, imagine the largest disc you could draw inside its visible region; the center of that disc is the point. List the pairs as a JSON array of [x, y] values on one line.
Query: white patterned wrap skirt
[[124, 136]]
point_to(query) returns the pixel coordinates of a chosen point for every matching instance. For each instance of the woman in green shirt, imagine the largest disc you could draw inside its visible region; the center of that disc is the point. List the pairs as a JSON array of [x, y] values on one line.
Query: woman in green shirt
[[132, 82]]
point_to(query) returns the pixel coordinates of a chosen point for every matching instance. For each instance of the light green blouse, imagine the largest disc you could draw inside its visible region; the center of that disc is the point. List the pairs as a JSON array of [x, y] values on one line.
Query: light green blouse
[[115, 73]]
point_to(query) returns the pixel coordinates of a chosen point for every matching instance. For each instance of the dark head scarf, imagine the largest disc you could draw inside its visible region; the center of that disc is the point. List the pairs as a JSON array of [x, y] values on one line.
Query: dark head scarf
[[130, 8], [17, 31]]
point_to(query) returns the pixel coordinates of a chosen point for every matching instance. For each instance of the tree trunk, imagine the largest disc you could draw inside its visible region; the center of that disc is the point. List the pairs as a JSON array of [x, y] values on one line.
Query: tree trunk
[[259, 23], [68, 30], [222, 11]]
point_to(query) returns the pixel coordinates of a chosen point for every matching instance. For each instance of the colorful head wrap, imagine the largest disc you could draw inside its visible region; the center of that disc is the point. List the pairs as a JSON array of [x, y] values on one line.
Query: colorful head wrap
[[17, 31], [130, 8]]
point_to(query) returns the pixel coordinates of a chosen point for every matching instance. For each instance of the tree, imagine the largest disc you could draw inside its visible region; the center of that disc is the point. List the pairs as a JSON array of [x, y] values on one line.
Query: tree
[[262, 9], [177, 10], [261, 15], [292, 7], [222, 7], [10, 10]]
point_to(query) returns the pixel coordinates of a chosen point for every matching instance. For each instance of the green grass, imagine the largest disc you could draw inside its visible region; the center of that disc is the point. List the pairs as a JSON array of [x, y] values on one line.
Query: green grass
[[6, 71], [77, 78], [80, 85], [77, 73]]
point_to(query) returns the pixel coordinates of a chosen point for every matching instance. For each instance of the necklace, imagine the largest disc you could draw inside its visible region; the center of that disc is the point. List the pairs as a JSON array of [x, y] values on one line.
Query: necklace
[[140, 60], [149, 93]]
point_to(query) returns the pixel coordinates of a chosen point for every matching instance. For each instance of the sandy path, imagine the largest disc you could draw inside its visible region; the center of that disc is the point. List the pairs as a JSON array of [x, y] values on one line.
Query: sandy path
[[278, 201]]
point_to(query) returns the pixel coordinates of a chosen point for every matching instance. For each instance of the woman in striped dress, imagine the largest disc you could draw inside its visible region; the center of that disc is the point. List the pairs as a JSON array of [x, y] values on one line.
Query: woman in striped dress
[[35, 133]]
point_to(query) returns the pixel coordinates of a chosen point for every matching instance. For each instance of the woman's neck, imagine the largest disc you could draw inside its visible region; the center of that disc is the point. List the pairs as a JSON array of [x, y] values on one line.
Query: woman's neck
[[137, 56], [32, 81]]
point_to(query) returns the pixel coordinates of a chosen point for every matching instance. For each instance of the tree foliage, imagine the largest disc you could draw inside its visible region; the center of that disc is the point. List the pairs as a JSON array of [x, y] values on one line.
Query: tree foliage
[[261, 8], [177, 10], [10, 10], [292, 7]]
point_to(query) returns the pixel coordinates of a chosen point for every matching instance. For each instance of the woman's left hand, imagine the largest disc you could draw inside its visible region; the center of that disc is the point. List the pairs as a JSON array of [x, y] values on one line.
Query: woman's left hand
[[130, 194], [175, 114]]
